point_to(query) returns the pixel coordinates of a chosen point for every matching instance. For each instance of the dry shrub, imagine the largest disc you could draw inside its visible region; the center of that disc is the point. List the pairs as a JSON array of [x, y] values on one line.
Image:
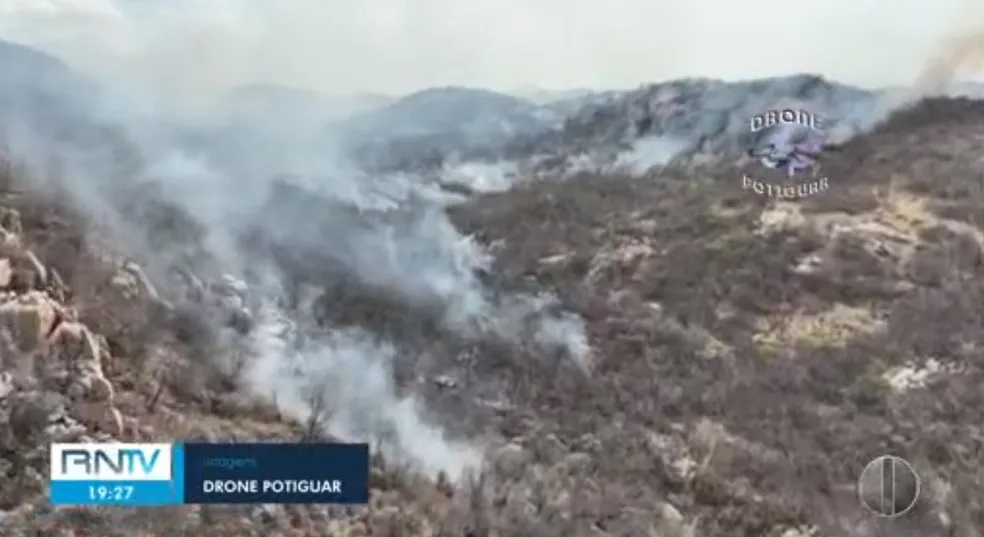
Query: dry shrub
[[744, 443]]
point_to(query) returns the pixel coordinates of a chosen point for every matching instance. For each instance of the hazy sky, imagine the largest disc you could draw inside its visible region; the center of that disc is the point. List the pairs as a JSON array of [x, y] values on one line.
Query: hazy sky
[[191, 47]]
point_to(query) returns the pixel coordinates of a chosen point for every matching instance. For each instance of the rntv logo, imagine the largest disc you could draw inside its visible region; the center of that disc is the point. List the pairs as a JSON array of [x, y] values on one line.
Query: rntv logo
[[111, 462]]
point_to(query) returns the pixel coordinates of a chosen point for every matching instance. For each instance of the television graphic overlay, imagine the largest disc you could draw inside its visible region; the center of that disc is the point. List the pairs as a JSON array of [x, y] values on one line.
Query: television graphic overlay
[[116, 474], [200, 473], [789, 145], [277, 473]]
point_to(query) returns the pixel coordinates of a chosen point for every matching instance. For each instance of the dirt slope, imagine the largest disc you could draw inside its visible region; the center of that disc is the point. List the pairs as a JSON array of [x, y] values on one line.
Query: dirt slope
[[750, 357]]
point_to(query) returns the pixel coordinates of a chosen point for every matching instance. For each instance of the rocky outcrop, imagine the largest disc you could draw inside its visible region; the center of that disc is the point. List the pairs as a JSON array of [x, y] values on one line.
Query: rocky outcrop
[[60, 381], [67, 359]]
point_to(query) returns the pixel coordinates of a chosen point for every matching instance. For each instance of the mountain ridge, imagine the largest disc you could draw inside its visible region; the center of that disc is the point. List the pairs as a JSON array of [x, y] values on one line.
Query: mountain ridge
[[596, 353]]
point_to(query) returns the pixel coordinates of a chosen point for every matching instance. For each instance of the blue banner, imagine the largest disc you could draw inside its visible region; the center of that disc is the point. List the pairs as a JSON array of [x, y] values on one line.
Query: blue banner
[[276, 473], [128, 493], [166, 474]]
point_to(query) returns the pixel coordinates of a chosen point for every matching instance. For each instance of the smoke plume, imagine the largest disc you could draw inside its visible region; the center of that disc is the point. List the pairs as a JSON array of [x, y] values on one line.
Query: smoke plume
[[154, 60], [187, 49]]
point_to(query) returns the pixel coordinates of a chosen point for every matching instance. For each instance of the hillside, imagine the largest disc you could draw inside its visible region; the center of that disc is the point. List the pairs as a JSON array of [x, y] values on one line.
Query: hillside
[[602, 354], [749, 358], [758, 354], [446, 121], [448, 109]]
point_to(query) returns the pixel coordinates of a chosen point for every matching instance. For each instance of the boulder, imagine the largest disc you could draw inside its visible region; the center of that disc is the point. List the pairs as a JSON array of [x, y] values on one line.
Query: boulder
[[6, 273], [100, 415], [125, 283], [23, 280], [10, 244], [77, 340], [146, 286], [30, 318], [100, 389], [29, 262], [10, 220], [22, 271], [131, 281], [669, 522], [6, 384]]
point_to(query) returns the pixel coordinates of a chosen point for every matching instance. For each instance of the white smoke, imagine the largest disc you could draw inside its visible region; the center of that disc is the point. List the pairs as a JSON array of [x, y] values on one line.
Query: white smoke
[[424, 260], [103, 145], [188, 53], [650, 152], [349, 375]]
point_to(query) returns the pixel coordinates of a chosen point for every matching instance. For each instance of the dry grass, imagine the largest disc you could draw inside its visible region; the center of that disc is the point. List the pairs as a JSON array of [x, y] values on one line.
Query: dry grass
[[834, 327], [893, 251]]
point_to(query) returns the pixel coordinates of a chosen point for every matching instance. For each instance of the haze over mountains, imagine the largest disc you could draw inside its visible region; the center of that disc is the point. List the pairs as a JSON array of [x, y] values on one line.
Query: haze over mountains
[[384, 168], [274, 99], [560, 292], [471, 137]]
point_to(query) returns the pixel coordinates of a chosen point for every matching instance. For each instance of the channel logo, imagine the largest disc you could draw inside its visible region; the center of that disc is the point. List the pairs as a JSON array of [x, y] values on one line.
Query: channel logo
[[179, 474], [117, 474], [111, 462]]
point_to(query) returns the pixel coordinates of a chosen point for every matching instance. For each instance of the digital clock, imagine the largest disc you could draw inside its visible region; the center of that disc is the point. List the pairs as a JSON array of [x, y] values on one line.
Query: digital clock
[[110, 493], [114, 493]]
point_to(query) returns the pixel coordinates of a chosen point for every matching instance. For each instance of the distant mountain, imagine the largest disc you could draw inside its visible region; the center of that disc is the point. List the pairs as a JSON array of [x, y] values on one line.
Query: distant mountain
[[464, 122], [25, 70], [546, 96], [41, 90], [452, 110], [19, 64], [704, 116]]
